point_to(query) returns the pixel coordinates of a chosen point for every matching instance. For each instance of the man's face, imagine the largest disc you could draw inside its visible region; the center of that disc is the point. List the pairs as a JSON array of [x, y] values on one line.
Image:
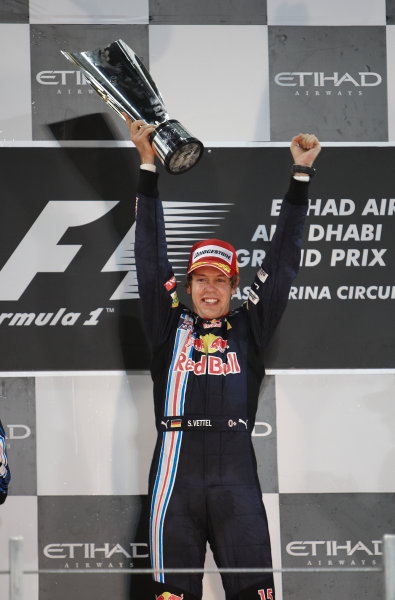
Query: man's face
[[211, 292]]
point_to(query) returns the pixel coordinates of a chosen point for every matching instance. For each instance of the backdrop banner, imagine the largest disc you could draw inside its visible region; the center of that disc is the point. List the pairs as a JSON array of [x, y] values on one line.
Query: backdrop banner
[[68, 286]]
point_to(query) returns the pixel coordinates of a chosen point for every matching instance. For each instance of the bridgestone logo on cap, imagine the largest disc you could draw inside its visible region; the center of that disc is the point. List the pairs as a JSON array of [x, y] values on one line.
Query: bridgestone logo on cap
[[215, 251]]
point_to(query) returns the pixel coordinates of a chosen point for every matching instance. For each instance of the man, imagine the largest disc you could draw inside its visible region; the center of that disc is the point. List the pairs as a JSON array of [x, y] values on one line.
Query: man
[[207, 368], [5, 474]]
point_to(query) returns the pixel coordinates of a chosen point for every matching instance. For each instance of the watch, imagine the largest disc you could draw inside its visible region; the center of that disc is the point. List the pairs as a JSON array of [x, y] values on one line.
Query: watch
[[303, 169]]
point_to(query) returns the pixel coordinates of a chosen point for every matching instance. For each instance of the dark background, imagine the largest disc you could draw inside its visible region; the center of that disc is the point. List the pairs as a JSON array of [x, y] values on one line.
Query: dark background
[[313, 334]]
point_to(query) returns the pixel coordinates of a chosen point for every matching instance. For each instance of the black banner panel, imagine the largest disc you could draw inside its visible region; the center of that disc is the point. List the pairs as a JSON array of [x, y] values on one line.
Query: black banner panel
[[68, 286]]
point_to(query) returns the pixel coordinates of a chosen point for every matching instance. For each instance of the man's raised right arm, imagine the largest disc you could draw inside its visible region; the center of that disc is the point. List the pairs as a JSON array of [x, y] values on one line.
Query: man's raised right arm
[[154, 271]]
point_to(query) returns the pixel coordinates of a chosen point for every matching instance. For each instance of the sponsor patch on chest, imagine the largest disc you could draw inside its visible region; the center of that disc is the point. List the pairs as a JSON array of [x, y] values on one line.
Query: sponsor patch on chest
[[212, 365]]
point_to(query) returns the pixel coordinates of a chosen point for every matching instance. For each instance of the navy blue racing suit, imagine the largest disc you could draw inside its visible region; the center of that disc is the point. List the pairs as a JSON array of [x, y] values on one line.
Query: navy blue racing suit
[[5, 474], [203, 482]]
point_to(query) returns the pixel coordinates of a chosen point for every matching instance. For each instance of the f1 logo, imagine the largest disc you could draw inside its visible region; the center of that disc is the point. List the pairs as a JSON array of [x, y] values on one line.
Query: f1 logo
[[40, 251]]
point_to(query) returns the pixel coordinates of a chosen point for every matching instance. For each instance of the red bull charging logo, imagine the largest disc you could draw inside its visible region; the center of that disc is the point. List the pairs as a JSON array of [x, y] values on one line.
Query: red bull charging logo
[[213, 365], [169, 596], [208, 343]]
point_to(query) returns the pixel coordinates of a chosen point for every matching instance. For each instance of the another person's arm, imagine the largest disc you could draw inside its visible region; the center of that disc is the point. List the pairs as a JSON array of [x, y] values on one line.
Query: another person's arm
[[5, 474]]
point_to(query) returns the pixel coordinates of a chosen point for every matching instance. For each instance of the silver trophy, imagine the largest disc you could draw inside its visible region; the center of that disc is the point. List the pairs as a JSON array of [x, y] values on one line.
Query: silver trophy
[[120, 78]]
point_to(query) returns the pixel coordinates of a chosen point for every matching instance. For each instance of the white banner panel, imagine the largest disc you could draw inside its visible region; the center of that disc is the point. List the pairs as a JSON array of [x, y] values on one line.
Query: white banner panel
[[335, 433], [95, 434], [15, 97], [18, 517], [88, 11], [222, 84], [321, 12]]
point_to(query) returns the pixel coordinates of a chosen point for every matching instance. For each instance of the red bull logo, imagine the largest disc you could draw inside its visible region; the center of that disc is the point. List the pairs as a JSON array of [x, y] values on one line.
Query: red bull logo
[[169, 596], [218, 344], [198, 344], [213, 365], [208, 343]]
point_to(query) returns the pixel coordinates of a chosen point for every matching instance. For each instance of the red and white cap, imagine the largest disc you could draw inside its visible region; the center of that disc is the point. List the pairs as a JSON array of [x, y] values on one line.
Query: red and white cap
[[214, 253]]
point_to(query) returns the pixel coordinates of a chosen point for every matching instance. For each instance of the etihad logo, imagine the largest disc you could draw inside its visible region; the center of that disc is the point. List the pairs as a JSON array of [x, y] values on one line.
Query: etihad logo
[[335, 553], [321, 79], [61, 78], [328, 84], [261, 429], [86, 555], [65, 82], [18, 432]]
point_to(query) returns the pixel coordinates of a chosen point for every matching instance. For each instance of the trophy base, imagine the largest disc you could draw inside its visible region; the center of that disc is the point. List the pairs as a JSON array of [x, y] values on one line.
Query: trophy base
[[177, 149]]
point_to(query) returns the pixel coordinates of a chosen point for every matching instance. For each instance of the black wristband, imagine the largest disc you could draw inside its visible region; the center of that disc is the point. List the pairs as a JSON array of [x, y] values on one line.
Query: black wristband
[[303, 169], [148, 183]]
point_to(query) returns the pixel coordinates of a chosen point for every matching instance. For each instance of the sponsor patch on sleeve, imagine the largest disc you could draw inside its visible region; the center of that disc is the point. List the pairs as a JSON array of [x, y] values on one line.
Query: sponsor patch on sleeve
[[262, 275], [175, 301], [253, 297], [169, 285]]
